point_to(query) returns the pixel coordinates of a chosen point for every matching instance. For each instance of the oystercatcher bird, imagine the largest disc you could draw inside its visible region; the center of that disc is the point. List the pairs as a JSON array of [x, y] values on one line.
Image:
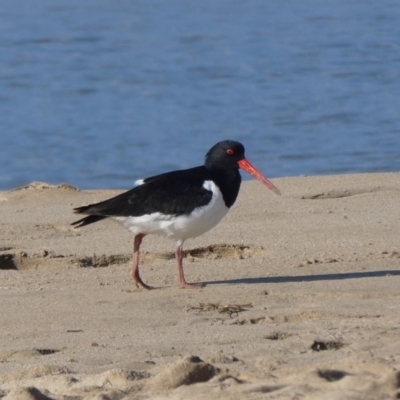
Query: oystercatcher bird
[[179, 204]]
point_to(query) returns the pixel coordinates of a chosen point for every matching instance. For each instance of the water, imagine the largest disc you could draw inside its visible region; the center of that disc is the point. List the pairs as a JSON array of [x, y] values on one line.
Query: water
[[100, 93]]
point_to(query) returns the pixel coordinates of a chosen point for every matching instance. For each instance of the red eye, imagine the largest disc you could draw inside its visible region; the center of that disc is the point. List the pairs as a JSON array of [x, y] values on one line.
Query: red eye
[[229, 151]]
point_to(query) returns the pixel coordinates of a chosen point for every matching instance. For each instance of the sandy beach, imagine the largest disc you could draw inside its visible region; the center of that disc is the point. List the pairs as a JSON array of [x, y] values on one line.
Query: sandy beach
[[301, 302]]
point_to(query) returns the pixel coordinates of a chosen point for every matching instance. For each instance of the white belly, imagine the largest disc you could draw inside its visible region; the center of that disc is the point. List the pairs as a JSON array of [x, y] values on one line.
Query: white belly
[[199, 221]]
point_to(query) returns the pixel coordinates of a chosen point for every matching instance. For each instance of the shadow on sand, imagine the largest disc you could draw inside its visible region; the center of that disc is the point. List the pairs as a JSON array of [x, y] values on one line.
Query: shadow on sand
[[308, 278]]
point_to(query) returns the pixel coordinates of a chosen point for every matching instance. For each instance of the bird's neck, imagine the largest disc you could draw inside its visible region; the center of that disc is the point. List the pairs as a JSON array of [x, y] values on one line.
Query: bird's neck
[[228, 182]]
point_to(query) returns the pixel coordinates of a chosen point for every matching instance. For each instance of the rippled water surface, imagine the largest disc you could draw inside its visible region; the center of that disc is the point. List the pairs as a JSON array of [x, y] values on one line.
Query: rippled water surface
[[100, 93]]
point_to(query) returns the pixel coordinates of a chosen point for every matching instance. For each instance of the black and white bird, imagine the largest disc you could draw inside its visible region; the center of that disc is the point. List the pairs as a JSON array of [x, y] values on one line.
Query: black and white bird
[[179, 204]]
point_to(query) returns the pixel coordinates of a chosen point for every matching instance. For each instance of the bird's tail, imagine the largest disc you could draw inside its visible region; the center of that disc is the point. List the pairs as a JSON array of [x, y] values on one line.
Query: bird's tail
[[90, 219]]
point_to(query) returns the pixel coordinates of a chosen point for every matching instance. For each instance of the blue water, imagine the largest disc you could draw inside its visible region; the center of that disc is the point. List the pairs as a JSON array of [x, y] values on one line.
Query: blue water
[[99, 93]]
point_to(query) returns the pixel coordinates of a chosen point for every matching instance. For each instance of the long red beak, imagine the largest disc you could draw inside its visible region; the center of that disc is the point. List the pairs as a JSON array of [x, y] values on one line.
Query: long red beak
[[246, 166]]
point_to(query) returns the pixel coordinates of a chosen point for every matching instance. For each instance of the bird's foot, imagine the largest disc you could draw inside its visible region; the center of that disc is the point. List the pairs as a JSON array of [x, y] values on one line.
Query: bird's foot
[[185, 285], [138, 280], [143, 285], [139, 283]]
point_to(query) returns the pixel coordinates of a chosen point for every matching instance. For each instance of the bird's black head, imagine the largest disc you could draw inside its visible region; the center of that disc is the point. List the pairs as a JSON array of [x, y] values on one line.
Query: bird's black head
[[225, 155]]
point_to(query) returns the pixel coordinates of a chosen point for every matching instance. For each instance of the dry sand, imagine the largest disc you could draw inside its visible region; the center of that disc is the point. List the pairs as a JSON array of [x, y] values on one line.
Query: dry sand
[[302, 300]]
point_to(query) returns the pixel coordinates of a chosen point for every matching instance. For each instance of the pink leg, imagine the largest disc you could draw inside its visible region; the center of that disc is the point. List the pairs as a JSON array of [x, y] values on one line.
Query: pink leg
[[182, 282], [135, 267]]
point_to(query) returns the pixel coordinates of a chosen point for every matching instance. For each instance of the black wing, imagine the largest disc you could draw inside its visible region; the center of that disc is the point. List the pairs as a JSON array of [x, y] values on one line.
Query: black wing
[[172, 193]]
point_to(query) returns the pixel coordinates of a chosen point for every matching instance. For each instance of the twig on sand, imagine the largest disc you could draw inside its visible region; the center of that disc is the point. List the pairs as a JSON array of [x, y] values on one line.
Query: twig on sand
[[230, 309]]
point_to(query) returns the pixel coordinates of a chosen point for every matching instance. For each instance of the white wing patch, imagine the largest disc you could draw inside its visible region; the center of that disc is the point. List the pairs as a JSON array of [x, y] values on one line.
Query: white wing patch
[[138, 182], [199, 221]]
